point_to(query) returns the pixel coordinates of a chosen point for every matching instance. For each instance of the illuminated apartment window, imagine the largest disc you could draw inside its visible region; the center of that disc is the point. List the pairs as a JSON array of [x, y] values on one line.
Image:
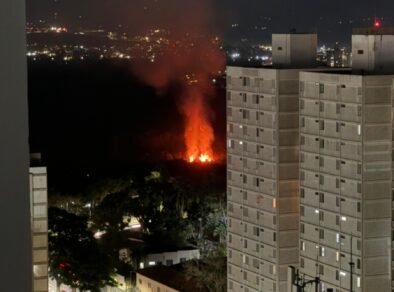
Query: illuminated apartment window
[[358, 282], [274, 203], [337, 256]]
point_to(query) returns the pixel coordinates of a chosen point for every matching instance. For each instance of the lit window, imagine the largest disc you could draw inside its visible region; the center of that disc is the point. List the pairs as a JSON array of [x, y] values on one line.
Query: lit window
[[302, 245], [343, 218], [152, 263], [337, 256], [274, 203], [358, 282], [337, 237]]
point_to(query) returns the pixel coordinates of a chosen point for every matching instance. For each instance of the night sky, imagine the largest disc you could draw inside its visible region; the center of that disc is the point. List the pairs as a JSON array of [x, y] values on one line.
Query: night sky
[[257, 19]]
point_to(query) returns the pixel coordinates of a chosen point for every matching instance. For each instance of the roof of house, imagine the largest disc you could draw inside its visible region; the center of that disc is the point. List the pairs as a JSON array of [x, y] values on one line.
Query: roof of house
[[170, 277]]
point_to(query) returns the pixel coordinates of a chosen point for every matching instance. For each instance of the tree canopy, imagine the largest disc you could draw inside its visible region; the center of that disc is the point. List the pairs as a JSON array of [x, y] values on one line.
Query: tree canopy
[[75, 258]]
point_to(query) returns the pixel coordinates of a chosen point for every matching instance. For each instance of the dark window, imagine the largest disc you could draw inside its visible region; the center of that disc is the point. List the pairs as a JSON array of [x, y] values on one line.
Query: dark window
[[321, 88], [360, 52]]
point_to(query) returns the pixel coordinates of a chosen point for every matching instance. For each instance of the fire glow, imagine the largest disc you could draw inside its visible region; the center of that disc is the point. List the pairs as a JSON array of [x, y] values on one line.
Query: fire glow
[[199, 134], [203, 158]]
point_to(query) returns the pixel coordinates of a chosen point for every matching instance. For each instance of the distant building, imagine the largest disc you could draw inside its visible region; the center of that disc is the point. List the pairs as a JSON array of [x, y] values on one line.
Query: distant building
[[164, 279], [172, 258], [39, 211], [263, 166], [338, 57], [166, 258]]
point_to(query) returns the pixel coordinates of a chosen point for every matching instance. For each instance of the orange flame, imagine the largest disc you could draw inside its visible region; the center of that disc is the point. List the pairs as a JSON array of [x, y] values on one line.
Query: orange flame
[[199, 134]]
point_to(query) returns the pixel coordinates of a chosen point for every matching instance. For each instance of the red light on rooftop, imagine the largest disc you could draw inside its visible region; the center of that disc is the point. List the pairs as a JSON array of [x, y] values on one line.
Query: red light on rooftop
[[377, 23]]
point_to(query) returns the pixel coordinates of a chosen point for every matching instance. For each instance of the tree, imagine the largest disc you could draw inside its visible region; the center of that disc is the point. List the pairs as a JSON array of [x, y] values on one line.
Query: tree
[[108, 215], [159, 207], [209, 272], [75, 258]]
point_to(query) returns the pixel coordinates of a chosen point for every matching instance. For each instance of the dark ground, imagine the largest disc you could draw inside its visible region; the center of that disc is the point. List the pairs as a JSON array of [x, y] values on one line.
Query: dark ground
[[97, 118]]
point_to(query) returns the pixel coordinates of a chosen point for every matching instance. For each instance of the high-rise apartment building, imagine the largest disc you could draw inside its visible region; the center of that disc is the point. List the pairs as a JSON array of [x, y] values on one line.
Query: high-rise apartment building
[[15, 218], [346, 169], [263, 166], [39, 211]]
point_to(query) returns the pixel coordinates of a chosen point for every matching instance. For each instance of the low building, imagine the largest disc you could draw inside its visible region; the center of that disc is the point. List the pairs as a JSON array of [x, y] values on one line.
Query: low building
[[165, 257], [172, 257], [164, 279]]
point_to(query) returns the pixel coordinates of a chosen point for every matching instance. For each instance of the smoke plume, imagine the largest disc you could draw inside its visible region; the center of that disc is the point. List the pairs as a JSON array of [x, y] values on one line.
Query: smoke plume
[[189, 60]]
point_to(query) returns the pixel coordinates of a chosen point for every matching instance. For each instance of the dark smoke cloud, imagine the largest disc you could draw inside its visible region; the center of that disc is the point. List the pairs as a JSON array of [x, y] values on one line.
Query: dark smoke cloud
[[189, 62]]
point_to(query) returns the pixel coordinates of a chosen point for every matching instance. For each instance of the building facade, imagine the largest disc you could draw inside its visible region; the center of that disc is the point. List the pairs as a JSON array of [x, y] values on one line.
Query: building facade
[[39, 211], [346, 170], [263, 169], [346, 180], [15, 218]]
